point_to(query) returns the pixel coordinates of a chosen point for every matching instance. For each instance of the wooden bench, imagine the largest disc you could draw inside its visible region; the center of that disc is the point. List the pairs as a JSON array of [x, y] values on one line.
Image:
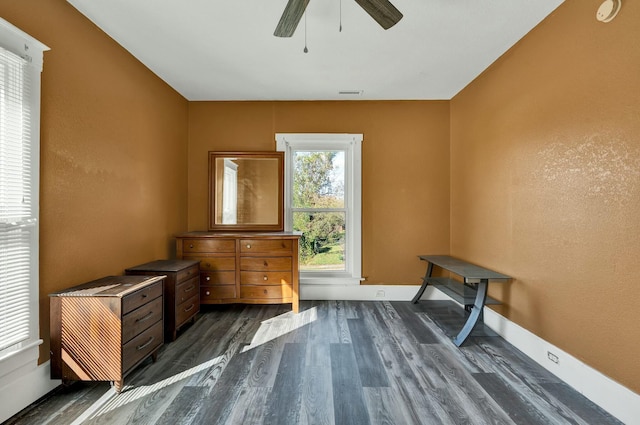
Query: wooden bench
[[470, 292]]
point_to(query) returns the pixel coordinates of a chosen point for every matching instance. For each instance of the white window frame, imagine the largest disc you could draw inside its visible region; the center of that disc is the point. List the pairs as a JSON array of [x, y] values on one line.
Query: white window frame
[[22, 359], [352, 145]]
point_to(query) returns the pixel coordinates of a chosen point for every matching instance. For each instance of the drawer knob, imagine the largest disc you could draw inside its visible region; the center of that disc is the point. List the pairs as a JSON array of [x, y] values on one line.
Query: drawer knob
[[191, 246], [207, 293], [208, 265], [265, 292], [265, 278], [266, 264], [208, 278], [248, 246]]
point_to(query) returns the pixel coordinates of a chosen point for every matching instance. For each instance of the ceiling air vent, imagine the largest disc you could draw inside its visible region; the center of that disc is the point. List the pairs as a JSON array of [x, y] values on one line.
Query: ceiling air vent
[[350, 92]]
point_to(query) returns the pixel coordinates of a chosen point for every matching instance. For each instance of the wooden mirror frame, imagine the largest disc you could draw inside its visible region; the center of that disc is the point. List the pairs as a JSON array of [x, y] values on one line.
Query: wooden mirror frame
[[277, 225]]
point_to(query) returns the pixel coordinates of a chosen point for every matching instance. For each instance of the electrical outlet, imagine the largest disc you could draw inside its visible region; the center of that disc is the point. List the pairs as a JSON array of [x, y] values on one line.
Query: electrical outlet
[[380, 294], [553, 357]]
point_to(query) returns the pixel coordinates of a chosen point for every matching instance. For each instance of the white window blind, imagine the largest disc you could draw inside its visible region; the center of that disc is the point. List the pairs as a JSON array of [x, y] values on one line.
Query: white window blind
[[18, 216]]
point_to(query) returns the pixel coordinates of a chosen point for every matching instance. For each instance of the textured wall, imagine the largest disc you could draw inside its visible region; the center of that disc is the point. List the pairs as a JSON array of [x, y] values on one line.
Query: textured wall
[[405, 201], [545, 183], [113, 153]]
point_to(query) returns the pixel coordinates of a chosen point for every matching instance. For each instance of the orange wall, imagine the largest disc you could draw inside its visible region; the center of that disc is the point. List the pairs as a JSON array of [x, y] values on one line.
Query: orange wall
[[113, 153], [545, 183], [405, 176]]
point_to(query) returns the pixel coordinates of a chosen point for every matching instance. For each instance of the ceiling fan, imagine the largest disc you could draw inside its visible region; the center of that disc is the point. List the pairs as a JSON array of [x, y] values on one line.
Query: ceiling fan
[[382, 11]]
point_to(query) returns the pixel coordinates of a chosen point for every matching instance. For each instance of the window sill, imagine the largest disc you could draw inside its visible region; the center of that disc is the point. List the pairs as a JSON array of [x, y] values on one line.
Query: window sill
[[343, 281]]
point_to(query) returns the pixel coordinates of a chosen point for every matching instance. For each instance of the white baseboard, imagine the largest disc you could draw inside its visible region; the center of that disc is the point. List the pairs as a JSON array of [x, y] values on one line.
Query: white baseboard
[[29, 387], [613, 397], [366, 292]]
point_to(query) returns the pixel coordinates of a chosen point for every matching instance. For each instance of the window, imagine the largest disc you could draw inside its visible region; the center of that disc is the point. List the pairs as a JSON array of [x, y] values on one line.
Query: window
[[323, 202], [20, 67]]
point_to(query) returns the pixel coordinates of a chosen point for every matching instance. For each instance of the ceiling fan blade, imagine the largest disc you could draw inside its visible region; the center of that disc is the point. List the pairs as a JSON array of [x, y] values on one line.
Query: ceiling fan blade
[[290, 18], [382, 11]]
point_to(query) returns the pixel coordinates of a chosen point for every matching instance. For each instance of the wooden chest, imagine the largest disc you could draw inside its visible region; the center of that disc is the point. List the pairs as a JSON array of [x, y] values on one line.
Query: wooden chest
[[101, 330], [181, 290], [256, 268]]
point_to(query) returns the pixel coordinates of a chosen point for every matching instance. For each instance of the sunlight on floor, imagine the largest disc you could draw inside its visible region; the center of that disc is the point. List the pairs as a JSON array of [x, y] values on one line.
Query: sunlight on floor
[[281, 325], [269, 330]]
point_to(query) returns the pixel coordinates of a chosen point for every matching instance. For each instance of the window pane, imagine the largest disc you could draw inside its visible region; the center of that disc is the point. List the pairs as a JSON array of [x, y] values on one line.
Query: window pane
[[322, 242], [318, 179]]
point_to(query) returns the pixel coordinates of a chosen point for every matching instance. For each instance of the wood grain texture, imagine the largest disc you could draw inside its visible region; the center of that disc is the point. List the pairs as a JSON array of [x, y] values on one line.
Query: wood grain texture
[[335, 363]]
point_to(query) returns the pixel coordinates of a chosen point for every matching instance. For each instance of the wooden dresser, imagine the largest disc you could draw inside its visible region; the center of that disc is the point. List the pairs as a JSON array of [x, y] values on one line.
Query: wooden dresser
[[181, 290], [253, 268], [101, 330]]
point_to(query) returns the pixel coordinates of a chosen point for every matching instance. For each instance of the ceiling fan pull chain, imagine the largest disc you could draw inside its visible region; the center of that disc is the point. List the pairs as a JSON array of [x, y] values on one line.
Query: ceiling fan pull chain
[[340, 16], [305, 33]]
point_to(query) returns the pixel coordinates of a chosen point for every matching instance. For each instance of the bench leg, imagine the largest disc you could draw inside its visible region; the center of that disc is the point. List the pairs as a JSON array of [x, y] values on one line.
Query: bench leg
[[425, 282], [476, 313]]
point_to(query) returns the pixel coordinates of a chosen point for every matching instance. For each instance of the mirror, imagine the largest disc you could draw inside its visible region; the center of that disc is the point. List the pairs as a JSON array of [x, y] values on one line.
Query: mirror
[[246, 191]]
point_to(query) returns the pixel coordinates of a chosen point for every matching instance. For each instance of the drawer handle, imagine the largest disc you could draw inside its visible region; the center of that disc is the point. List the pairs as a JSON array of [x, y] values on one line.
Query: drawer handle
[[248, 246], [208, 278], [145, 295], [265, 278], [145, 317], [146, 344], [190, 308], [189, 289]]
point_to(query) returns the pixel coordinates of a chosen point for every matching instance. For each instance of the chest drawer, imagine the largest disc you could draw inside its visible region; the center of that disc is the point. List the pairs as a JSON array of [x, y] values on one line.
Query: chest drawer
[[138, 298], [186, 290], [141, 318], [141, 346], [208, 245], [217, 263], [218, 278], [265, 278], [187, 274], [187, 309], [265, 263], [265, 292], [275, 246]]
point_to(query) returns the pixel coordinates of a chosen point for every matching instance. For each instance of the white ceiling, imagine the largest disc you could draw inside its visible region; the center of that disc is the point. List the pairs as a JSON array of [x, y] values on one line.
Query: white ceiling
[[225, 50]]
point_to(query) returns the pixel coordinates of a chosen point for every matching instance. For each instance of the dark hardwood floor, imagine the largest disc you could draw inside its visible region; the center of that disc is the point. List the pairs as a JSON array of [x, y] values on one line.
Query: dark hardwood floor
[[337, 362]]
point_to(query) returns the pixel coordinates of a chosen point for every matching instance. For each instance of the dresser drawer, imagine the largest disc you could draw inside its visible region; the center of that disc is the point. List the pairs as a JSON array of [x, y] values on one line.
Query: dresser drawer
[[265, 278], [265, 292], [141, 318], [187, 274], [141, 346], [217, 263], [187, 309], [248, 246], [136, 299], [208, 293], [208, 245], [186, 290], [265, 263], [218, 278]]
